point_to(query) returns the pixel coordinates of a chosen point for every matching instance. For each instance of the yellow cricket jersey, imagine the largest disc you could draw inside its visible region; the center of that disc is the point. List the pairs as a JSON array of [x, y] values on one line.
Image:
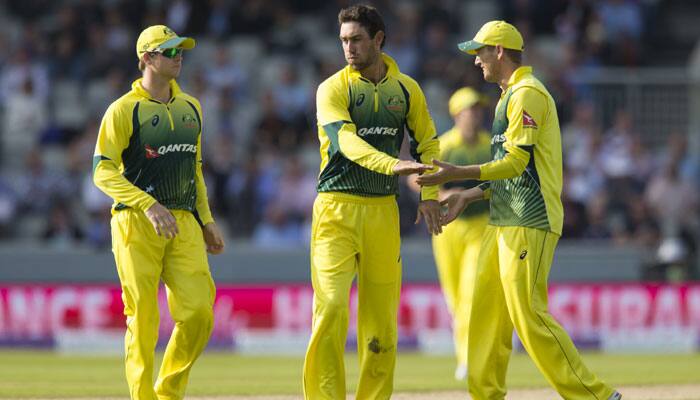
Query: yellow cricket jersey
[[361, 127], [150, 151], [454, 150], [526, 171]]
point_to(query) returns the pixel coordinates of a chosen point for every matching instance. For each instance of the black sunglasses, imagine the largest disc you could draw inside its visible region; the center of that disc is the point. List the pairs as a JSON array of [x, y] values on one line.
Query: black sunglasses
[[169, 53]]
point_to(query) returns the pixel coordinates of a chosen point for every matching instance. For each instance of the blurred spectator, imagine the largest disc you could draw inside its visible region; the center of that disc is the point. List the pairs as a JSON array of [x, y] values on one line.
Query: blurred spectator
[[252, 17], [39, 187], [596, 213], [673, 201], [436, 51], [286, 221], [219, 166], [218, 23], [277, 231], [575, 223], [616, 154], [296, 191], [622, 24], [272, 131], [292, 97], [178, 15], [61, 230], [243, 197], [578, 137], [286, 37], [26, 116], [66, 62], [8, 208], [102, 92], [621, 18], [22, 69], [401, 44], [225, 74]]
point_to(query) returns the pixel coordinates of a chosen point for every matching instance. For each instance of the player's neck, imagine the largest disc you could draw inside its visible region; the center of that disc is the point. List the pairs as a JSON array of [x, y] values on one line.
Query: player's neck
[[157, 86], [507, 71], [376, 71]]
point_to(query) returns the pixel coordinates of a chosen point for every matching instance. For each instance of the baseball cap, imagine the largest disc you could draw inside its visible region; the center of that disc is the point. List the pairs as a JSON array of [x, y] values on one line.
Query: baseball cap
[[161, 37], [494, 33], [463, 98]]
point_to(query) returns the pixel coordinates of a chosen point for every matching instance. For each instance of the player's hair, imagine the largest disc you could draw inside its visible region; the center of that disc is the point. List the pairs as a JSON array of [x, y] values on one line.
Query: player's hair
[[516, 56], [367, 16]]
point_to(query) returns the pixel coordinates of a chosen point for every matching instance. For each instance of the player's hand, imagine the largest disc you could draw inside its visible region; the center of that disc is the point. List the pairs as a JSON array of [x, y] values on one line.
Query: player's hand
[[213, 238], [407, 167], [457, 202], [163, 221], [447, 172], [430, 211]]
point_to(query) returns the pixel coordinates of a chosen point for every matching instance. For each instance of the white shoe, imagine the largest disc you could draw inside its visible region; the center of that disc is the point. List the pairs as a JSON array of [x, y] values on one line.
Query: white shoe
[[615, 396], [461, 372]]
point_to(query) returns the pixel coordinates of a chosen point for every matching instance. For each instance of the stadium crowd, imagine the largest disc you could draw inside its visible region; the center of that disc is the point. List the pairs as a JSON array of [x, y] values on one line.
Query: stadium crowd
[[256, 69]]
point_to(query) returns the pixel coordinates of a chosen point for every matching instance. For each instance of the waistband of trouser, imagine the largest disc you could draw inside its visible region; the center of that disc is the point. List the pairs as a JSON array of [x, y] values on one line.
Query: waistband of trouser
[[176, 212], [353, 198]]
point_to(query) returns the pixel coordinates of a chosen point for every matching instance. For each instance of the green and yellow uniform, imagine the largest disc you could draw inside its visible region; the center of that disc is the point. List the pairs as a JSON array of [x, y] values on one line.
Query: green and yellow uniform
[[355, 228], [456, 249], [518, 247], [149, 151]]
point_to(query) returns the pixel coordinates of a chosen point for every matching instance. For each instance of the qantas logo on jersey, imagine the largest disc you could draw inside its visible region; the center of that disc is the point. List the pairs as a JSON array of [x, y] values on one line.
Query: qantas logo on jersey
[[528, 121], [151, 152], [378, 130], [171, 148]]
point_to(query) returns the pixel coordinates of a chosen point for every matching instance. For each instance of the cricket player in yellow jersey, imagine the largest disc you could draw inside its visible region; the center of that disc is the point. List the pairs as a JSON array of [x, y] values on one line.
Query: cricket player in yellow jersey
[[456, 249], [362, 113], [524, 183], [148, 158]]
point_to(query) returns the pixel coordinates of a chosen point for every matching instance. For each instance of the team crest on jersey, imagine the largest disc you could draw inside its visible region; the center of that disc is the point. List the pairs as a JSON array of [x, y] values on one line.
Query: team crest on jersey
[[151, 152], [360, 100], [528, 121], [155, 120], [189, 121], [395, 103]]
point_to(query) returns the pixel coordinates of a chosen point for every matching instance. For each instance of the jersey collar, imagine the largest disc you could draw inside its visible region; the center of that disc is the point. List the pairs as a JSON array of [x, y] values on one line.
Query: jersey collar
[[137, 87], [392, 69], [519, 74]]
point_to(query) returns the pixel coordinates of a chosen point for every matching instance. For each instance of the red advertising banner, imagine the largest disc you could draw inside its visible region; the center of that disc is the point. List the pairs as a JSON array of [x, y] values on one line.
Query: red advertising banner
[[594, 314]]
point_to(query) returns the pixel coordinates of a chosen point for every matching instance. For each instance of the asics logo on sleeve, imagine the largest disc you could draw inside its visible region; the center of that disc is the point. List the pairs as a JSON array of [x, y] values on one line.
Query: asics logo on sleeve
[[378, 130]]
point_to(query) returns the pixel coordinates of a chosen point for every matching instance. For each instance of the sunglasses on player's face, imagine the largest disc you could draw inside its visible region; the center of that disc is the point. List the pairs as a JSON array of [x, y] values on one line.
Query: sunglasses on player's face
[[168, 53]]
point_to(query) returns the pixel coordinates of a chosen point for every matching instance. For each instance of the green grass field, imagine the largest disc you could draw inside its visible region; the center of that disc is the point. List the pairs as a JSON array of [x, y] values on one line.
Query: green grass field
[[46, 374]]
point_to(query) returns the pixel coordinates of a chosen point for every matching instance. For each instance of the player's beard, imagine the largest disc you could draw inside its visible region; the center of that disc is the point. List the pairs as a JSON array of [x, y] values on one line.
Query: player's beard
[[490, 74], [360, 65]]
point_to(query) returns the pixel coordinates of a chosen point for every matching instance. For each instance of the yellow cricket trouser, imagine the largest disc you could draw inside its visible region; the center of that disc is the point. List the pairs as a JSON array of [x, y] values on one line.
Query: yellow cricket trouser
[[456, 252], [511, 291], [350, 236], [143, 258]]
